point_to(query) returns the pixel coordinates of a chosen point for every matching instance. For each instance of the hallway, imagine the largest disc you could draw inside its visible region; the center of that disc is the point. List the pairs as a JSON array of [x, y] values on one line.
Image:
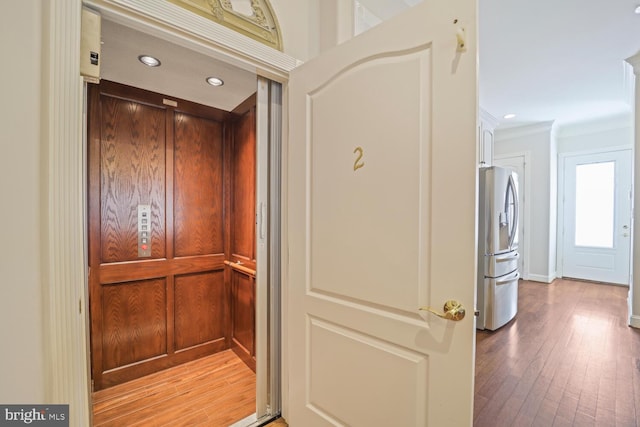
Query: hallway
[[568, 359]]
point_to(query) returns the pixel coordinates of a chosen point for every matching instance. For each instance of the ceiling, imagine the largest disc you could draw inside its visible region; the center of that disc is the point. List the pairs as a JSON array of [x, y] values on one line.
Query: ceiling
[[556, 60], [182, 73], [542, 60]]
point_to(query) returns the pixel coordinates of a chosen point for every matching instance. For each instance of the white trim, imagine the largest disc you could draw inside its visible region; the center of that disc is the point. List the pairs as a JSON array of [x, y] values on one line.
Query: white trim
[[527, 206], [262, 248], [492, 121], [635, 63], [595, 151], [542, 278], [520, 131], [619, 121], [634, 306], [275, 241], [62, 221]]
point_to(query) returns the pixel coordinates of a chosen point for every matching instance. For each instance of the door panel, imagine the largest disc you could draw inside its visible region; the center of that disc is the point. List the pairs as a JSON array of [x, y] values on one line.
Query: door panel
[[200, 309], [381, 221], [243, 316], [135, 322], [243, 234], [198, 184], [132, 172], [339, 376], [362, 241], [243, 244]]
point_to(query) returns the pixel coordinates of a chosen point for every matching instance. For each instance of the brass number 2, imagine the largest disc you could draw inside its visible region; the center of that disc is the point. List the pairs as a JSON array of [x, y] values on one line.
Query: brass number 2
[[358, 163]]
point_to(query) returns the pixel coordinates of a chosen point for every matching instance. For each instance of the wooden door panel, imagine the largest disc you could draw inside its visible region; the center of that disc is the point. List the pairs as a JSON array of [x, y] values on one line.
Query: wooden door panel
[[134, 319], [244, 188], [200, 309], [198, 192], [243, 316], [132, 172]]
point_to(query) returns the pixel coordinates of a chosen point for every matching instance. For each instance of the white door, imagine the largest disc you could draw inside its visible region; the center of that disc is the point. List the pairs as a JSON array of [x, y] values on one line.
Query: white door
[[381, 221], [517, 164], [597, 216]]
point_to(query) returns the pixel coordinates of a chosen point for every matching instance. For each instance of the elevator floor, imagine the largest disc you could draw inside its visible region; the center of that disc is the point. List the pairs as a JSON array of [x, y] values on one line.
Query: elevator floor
[[217, 390]]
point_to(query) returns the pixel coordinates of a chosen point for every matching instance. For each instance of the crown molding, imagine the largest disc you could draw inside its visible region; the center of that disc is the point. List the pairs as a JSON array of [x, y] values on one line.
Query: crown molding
[[601, 124], [486, 117], [635, 63], [522, 131]]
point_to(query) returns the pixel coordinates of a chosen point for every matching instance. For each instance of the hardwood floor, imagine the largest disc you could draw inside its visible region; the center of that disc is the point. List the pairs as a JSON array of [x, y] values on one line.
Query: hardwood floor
[[217, 390], [567, 359]]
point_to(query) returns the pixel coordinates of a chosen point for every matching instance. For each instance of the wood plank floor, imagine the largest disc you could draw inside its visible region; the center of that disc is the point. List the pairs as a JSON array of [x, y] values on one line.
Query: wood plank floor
[[217, 390], [568, 359]]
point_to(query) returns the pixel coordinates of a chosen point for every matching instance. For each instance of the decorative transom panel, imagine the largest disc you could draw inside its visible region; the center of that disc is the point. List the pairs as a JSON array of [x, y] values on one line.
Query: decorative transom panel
[[253, 18]]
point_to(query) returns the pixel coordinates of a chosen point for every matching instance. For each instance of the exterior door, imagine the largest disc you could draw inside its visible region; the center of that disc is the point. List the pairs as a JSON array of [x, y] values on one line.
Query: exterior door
[[597, 217], [381, 222]]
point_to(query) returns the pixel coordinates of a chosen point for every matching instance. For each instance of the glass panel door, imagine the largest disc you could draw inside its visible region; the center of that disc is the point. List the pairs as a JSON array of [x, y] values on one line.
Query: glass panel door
[[597, 216]]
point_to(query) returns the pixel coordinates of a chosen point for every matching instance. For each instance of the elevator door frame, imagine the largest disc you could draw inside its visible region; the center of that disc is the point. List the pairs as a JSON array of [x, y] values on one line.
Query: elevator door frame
[[268, 208], [66, 320]]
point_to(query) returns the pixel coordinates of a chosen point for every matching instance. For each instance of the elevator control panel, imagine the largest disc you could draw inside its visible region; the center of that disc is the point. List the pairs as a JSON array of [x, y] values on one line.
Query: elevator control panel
[[144, 231]]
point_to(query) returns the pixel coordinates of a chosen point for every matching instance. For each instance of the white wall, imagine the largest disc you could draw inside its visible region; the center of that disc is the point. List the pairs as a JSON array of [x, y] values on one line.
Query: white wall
[[600, 134], [634, 294], [300, 26], [539, 141], [546, 142], [21, 333]]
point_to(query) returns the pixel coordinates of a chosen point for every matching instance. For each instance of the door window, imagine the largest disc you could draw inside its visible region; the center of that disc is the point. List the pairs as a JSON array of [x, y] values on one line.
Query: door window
[[595, 186]]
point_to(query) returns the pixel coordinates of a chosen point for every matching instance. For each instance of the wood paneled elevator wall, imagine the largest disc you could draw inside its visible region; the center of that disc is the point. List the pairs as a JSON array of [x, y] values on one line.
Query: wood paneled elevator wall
[[194, 295]]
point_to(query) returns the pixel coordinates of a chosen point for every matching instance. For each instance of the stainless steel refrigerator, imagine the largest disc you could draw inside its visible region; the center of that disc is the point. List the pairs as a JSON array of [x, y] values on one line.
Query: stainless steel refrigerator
[[497, 247]]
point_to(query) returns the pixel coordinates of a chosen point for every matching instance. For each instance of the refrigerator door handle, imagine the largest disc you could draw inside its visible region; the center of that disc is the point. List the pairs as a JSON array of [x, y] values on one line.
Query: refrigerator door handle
[[510, 278], [507, 258], [511, 188]]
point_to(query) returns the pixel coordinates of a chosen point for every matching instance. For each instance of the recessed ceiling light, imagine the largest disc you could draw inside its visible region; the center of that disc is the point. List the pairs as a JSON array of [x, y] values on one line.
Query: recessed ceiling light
[[509, 116], [149, 61], [637, 10], [215, 81]]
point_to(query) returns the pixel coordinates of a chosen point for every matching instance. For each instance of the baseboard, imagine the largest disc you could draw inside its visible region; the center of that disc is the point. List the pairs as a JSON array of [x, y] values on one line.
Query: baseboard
[[541, 278], [634, 322]]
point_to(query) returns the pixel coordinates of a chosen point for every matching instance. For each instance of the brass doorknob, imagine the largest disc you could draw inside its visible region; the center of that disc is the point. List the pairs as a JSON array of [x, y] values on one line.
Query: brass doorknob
[[453, 310]]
